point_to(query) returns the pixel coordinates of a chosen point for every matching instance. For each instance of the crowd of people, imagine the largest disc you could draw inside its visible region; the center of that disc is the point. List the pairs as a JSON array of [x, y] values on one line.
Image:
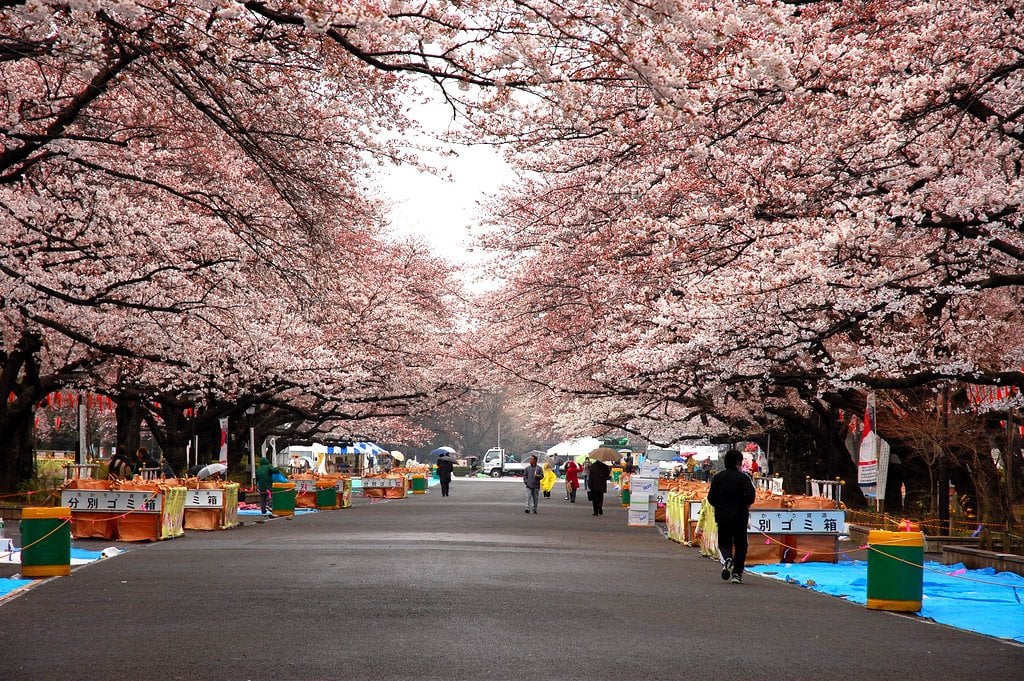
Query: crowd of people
[[540, 479]]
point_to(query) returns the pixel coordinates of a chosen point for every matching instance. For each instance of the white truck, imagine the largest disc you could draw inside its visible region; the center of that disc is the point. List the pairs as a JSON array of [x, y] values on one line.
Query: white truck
[[670, 459], [496, 463]]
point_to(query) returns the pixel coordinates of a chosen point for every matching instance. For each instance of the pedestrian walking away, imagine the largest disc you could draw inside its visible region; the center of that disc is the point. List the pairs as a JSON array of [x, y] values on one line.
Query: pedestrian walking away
[[445, 466], [572, 480], [264, 481], [598, 484], [531, 478], [731, 494]]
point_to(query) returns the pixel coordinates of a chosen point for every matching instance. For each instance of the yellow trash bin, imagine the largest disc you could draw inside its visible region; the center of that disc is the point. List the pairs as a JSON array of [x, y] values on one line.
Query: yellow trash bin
[[895, 570]]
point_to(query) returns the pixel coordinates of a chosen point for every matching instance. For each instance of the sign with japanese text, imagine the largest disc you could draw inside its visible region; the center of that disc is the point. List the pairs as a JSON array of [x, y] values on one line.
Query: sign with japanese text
[[381, 482], [114, 501], [204, 498], [779, 521]]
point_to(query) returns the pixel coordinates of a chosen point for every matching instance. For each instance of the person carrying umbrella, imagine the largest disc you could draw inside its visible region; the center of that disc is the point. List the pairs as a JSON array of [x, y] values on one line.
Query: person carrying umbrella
[[445, 466], [597, 481], [264, 482]]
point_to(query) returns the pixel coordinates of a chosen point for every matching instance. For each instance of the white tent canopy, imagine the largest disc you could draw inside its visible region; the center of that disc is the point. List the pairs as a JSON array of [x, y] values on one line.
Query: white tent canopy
[[575, 447]]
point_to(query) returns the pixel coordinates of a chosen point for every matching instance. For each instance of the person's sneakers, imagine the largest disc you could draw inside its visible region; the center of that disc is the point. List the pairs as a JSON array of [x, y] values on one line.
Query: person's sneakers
[[737, 579], [727, 569], [535, 511], [527, 510]]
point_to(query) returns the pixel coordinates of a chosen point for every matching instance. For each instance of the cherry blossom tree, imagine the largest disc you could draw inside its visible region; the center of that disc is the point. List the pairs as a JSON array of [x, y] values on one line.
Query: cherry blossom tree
[[753, 211], [185, 208]]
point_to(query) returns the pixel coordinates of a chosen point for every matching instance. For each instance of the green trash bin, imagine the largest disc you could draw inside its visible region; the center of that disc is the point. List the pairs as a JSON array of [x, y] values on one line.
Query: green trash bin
[[45, 541], [326, 497], [895, 570], [282, 498], [419, 484], [625, 496]]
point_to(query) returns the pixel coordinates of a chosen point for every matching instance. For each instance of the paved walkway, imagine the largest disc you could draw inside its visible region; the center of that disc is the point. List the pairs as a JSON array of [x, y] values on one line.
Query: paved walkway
[[464, 587]]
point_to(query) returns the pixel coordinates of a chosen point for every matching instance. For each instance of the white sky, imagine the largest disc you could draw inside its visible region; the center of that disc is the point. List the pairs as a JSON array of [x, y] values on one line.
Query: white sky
[[442, 210]]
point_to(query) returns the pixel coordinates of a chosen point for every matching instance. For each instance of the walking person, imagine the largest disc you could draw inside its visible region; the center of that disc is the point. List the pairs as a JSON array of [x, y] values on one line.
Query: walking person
[[572, 480], [531, 478], [597, 483], [731, 494], [706, 469], [264, 482], [445, 466], [547, 483]]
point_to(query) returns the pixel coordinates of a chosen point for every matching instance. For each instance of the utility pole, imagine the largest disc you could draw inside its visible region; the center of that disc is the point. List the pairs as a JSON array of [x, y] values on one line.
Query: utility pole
[[943, 476]]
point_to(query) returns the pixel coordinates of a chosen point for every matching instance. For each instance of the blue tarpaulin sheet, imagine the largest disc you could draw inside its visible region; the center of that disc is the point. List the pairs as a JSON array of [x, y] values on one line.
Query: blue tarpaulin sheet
[[9, 585], [983, 601]]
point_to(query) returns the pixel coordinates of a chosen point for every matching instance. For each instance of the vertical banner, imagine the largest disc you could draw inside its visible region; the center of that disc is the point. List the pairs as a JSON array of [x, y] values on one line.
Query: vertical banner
[[883, 468], [224, 440], [867, 463]]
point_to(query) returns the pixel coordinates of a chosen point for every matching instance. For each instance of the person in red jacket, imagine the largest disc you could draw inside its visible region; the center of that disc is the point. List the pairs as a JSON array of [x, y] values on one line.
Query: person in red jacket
[[731, 494], [572, 480]]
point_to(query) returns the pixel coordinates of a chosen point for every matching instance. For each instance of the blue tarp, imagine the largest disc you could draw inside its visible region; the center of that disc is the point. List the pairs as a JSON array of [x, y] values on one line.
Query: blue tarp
[[9, 585], [983, 601], [256, 511]]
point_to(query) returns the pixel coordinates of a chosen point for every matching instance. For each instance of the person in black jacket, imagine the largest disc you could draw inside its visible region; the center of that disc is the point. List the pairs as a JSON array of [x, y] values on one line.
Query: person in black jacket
[[598, 481], [445, 467], [731, 494]]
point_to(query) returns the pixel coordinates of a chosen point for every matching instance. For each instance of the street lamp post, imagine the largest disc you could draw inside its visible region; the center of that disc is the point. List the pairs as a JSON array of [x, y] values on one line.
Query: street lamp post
[[80, 373], [82, 425], [193, 397], [251, 411]]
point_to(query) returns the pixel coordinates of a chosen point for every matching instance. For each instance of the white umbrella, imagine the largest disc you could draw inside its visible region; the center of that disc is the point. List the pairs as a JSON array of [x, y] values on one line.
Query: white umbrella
[[397, 456], [211, 469]]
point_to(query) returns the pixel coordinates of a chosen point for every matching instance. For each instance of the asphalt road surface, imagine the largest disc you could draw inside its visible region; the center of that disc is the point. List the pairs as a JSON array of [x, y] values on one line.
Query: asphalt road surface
[[464, 587]]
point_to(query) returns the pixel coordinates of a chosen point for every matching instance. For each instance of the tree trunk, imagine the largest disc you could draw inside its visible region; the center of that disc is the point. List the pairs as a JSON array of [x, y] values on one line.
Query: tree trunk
[[129, 420], [17, 453], [19, 377], [804, 450]]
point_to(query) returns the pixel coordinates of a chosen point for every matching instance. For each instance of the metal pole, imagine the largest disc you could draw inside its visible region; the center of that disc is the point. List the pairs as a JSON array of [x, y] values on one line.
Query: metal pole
[[252, 456], [251, 411], [943, 491], [82, 424]]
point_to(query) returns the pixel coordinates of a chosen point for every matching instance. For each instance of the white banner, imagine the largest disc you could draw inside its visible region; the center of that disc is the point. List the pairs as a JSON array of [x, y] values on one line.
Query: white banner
[[204, 498], [883, 468], [117, 501], [867, 460], [224, 441], [772, 521]]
